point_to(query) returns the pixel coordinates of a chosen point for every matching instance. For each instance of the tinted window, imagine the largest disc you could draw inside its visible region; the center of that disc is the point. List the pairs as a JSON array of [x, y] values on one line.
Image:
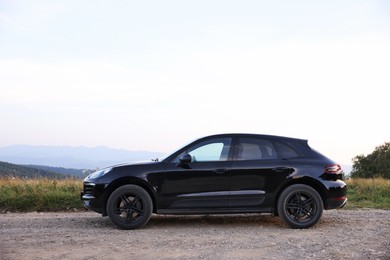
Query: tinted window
[[211, 150], [255, 149], [285, 151]]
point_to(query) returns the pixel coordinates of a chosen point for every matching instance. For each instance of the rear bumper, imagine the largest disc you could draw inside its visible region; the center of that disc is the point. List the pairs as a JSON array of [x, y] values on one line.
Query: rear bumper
[[337, 195], [336, 203]]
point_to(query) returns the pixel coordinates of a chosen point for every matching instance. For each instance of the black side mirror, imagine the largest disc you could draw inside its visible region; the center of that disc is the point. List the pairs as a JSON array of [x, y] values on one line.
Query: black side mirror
[[185, 158]]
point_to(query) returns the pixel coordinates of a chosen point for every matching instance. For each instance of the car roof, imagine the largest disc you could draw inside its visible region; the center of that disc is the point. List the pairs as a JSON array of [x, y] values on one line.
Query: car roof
[[252, 135], [300, 144]]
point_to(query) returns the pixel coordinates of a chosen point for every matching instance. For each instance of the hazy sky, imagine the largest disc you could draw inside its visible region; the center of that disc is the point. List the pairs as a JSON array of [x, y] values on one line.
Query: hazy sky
[[153, 75]]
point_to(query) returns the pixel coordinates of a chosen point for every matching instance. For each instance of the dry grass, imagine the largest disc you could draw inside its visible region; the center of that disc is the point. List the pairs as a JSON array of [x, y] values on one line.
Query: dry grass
[[368, 193], [40, 194]]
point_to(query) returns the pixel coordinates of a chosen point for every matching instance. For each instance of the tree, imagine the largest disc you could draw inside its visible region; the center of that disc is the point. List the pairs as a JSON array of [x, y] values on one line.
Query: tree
[[376, 164]]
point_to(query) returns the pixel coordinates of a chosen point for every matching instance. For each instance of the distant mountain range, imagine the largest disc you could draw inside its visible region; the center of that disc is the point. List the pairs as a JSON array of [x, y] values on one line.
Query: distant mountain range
[[71, 157], [10, 170]]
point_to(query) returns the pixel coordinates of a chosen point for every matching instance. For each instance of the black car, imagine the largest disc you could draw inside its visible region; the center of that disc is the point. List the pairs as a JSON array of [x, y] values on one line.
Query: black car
[[227, 173]]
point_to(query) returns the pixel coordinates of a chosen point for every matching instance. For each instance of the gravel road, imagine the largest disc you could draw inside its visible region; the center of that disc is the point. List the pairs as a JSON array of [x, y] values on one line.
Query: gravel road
[[340, 234]]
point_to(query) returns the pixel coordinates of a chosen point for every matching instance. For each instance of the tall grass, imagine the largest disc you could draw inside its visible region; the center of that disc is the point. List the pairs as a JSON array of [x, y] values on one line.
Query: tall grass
[[368, 193], [39, 194], [19, 195]]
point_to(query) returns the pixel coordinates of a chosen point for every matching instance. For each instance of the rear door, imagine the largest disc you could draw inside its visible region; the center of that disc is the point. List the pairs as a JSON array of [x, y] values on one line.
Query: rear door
[[256, 172]]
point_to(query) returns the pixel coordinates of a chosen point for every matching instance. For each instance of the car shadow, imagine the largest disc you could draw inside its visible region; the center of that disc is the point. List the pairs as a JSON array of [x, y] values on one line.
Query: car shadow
[[198, 221], [241, 220]]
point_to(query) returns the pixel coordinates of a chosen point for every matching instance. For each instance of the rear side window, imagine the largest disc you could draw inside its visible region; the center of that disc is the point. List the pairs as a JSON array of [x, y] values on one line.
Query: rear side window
[[254, 149], [285, 151]]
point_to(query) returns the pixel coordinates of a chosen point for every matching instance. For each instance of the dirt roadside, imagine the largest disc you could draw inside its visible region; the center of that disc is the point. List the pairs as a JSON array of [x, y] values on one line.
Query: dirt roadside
[[340, 234]]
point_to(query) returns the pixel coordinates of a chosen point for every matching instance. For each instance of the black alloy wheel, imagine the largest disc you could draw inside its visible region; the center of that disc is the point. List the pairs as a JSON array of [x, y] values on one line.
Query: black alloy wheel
[[129, 207], [300, 206]]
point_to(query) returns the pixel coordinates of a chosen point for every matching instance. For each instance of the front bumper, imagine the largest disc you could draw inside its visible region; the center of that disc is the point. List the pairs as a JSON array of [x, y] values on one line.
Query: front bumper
[[91, 203], [92, 197]]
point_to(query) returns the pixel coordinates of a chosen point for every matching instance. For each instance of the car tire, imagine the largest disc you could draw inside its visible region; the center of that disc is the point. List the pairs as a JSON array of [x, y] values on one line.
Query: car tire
[[129, 207], [300, 206]]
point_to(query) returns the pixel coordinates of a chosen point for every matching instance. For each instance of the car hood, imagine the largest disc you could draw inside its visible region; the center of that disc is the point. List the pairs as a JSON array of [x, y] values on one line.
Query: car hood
[[102, 172], [133, 164]]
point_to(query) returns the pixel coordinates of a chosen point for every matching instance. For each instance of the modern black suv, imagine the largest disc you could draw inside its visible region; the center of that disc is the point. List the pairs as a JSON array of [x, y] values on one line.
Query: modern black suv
[[226, 173]]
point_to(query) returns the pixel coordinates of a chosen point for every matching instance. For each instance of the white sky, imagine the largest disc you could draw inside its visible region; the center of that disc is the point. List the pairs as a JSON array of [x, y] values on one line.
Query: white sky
[[152, 75]]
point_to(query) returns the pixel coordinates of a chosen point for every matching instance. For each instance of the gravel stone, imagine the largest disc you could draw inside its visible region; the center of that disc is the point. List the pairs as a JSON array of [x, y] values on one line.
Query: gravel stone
[[340, 234]]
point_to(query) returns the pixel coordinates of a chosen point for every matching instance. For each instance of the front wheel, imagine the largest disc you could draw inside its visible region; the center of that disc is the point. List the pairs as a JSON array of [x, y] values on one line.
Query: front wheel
[[129, 207], [300, 206]]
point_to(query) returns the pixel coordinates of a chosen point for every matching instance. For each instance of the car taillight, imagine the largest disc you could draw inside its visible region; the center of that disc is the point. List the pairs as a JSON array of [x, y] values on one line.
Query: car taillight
[[333, 169]]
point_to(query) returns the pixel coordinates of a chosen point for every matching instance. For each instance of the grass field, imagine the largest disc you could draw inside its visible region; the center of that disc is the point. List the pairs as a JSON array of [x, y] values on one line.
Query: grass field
[[368, 193], [23, 195], [40, 195]]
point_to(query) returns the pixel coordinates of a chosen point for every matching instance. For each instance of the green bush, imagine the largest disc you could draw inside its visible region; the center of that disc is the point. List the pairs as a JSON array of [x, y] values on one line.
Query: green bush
[[373, 165]]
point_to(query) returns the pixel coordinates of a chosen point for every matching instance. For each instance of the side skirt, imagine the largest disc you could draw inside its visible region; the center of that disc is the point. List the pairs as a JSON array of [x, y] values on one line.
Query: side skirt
[[214, 211]]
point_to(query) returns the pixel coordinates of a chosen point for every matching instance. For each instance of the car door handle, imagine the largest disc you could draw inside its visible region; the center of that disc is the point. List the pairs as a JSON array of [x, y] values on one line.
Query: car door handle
[[280, 169], [220, 171]]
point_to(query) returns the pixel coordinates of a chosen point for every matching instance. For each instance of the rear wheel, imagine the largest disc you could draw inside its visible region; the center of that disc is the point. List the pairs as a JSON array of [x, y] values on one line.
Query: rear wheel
[[300, 206], [129, 207]]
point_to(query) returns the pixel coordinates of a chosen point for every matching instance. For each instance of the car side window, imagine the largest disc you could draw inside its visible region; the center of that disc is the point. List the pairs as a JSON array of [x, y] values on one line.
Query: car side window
[[211, 150], [285, 151], [254, 149]]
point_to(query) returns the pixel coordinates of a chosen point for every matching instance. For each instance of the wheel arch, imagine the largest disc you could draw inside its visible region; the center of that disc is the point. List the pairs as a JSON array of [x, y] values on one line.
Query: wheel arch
[[126, 181], [306, 181]]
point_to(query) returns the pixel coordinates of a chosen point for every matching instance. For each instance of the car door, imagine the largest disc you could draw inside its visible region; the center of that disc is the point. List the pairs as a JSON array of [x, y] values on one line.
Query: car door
[[256, 172], [202, 184]]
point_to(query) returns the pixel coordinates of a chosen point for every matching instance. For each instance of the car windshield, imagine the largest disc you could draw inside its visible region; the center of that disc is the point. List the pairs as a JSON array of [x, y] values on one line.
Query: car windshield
[[163, 157]]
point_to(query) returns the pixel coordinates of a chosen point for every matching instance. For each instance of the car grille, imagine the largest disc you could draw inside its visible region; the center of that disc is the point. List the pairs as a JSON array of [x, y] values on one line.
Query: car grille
[[88, 188]]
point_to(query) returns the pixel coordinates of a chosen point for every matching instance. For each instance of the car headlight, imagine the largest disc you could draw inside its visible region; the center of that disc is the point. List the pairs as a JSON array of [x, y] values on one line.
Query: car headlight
[[100, 173]]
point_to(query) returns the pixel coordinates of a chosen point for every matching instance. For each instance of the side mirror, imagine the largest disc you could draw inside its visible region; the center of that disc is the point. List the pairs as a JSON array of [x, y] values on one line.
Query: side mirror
[[185, 158]]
